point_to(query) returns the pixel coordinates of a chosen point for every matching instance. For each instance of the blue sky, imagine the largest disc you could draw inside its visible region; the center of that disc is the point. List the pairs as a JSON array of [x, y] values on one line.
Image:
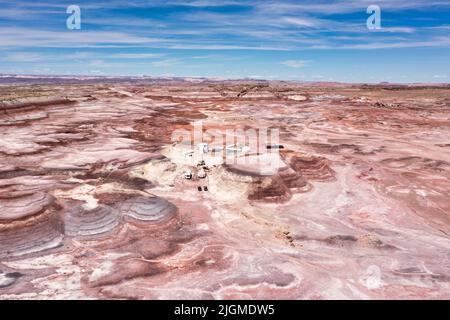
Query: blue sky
[[309, 40]]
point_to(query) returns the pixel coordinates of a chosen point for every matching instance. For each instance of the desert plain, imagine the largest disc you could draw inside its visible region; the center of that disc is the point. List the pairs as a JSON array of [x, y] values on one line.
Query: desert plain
[[95, 201]]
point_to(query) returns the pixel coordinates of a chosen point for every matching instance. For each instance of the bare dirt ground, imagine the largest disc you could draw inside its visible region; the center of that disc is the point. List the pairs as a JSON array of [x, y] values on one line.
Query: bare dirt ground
[[94, 204]]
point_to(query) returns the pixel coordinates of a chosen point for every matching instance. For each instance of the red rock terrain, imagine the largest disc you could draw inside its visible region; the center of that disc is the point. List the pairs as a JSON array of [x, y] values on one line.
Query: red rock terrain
[[93, 202]]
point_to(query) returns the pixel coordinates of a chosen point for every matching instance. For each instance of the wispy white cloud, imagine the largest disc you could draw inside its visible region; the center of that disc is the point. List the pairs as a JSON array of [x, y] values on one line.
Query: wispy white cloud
[[130, 22], [226, 47], [295, 63], [28, 37], [166, 63], [136, 55], [437, 42], [17, 56], [22, 57], [304, 22], [397, 30], [330, 7]]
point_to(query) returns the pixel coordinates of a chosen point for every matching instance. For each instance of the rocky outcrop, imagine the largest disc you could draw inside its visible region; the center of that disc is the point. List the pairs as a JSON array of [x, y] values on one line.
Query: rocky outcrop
[[310, 167], [150, 210], [101, 220], [270, 189]]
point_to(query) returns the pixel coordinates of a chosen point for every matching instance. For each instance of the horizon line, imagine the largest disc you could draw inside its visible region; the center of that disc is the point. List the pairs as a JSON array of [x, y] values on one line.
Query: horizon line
[[218, 79]]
